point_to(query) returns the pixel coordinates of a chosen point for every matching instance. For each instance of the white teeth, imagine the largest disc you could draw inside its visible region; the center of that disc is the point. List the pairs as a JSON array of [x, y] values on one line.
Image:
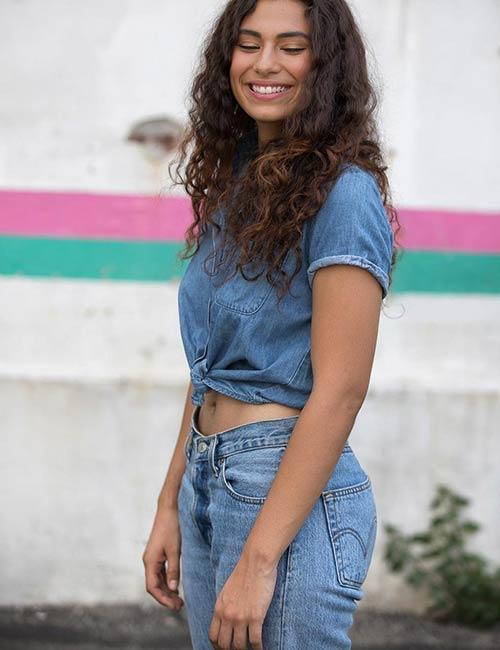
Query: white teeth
[[268, 90]]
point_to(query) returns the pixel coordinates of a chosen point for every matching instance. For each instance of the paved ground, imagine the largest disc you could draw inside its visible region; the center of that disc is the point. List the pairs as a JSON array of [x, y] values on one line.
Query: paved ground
[[129, 627]]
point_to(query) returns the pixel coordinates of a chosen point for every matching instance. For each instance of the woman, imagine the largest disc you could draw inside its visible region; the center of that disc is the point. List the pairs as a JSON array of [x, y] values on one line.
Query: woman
[[273, 513]]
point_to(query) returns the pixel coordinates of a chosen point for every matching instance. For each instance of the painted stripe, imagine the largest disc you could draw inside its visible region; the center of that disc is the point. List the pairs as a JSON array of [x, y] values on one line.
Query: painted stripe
[[442, 230], [82, 215], [74, 258], [416, 271], [445, 272]]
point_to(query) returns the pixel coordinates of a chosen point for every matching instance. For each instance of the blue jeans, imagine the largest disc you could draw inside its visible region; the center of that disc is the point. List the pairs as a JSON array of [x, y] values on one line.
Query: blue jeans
[[320, 574]]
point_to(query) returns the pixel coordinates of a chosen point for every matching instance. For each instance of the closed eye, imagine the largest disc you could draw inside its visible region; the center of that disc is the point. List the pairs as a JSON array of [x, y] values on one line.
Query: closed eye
[[293, 50]]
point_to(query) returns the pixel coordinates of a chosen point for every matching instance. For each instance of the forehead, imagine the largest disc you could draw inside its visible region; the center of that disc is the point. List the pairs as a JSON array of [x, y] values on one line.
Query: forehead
[[271, 17]]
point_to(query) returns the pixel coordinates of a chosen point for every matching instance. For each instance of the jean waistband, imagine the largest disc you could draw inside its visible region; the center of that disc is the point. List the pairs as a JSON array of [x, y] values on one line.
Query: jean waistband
[[244, 436]]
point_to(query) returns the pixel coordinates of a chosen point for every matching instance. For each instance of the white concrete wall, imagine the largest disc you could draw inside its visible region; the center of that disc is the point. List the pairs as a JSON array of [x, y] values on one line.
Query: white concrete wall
[[92, 374]]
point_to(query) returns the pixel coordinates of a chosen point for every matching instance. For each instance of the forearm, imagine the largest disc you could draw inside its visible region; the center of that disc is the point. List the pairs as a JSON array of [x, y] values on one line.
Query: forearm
[[170, 490], [312, 453]]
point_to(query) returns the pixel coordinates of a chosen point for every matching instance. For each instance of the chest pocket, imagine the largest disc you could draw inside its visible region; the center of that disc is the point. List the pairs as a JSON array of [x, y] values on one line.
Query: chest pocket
[[240, 295], [243, 296]]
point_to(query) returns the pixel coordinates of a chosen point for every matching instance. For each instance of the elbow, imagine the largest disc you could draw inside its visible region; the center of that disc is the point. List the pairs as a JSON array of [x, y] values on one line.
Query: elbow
[[343, 399]]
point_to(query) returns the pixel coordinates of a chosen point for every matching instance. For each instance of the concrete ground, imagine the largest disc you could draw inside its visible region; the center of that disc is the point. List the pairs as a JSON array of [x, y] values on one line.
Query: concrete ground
[[131, 627]]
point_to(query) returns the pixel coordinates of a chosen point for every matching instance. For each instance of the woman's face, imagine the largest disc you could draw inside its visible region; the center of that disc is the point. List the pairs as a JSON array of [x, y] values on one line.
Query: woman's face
[[273, 53]]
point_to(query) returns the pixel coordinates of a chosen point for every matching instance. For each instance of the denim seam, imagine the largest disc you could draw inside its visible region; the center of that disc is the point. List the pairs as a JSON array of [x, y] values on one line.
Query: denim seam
[[349, 530], [280, 442], [257, 446], [243, 311], [281, 643], [338, 566], [328, 497], [345, 492], [295, 372], [354, 260], [193, 501], [344, 580], [235, 495]]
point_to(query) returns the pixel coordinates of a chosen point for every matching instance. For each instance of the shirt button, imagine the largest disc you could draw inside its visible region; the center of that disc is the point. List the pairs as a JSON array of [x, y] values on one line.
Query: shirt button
[[202, 446]]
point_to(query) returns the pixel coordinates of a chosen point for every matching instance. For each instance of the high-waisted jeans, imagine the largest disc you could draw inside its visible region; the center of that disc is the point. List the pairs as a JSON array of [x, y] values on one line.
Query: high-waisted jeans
[[320, 574]]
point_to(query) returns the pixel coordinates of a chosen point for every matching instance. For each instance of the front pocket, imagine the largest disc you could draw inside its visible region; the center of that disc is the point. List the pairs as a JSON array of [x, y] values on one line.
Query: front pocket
[[247, 475], [352, 525]]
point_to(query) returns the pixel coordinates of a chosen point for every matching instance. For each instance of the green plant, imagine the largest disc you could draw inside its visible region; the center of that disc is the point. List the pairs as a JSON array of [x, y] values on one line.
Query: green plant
[[459, 584]]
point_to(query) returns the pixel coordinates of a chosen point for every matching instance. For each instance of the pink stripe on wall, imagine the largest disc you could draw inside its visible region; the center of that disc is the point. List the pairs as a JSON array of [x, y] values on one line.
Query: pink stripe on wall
[[443, 230], [81, 215]]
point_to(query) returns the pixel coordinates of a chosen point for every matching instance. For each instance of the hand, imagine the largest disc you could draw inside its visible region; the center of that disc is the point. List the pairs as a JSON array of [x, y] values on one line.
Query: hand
[[164, 545], [242, 604]]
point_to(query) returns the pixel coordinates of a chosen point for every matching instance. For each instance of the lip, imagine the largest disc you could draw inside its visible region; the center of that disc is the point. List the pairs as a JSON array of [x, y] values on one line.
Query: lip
[[269, 96]]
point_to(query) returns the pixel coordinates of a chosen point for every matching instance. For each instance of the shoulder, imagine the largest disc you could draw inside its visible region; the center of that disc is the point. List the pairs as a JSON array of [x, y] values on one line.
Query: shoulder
[[352, 226], [354, 185], [353, 201]]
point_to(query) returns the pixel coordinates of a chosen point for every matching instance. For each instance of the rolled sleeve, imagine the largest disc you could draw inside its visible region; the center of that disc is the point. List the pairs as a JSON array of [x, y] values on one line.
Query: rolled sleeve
[[352, 227]]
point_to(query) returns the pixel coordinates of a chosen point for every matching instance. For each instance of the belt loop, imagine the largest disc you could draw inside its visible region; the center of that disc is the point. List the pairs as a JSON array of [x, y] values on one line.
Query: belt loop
[[193, 417], [187, 443], [212, 456]]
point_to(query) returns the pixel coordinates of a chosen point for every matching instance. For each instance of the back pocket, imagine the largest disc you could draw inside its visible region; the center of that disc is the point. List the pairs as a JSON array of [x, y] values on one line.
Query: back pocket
[[352, 525]]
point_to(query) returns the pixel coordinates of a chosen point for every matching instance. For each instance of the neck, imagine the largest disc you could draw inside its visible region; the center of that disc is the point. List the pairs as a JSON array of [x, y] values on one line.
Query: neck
[[267, 131]]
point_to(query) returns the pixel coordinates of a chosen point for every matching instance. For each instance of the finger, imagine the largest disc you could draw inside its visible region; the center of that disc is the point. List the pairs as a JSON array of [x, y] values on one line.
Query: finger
[[170, 592], [213, 632], [255, 635], [155, 586], [225, 634], [240, 636], [173, 570]]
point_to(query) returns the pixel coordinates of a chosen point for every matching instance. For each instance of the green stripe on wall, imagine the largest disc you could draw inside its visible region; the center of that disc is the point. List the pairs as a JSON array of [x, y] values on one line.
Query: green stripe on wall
[[445, 272], [95, 259], [416, 271]]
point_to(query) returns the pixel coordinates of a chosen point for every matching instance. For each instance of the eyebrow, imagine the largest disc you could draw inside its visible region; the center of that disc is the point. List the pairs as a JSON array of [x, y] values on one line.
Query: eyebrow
[[252, 32]]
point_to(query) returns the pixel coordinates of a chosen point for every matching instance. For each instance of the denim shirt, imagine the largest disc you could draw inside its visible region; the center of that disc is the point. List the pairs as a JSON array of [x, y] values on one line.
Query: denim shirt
[[235, 339]]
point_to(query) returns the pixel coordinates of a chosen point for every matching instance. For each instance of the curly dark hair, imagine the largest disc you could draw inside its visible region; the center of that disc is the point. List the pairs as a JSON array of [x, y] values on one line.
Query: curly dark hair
[[287, 181]]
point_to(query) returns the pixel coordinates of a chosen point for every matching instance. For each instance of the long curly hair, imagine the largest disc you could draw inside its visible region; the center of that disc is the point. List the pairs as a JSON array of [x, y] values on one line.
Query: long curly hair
[[286, 182]]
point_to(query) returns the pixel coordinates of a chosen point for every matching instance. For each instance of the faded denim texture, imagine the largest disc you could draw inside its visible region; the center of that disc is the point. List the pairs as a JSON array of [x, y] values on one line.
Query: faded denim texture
[[235, 338], [320, 574]]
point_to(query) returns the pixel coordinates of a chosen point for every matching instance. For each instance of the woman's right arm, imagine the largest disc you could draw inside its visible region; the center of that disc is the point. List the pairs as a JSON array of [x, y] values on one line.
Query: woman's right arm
[[164, 543], [170, 490]]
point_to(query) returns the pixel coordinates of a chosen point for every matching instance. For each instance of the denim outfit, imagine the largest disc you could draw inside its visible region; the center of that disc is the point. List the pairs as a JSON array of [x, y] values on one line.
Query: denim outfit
[[235, 339], [320, 574], [238, 343]]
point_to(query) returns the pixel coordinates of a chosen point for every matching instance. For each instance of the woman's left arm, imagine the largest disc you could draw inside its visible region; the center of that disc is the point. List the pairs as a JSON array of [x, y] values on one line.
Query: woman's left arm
[[346, 305]]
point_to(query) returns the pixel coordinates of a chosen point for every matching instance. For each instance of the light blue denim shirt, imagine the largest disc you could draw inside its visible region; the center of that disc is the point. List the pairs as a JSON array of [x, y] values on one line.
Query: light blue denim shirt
[[236, 340]]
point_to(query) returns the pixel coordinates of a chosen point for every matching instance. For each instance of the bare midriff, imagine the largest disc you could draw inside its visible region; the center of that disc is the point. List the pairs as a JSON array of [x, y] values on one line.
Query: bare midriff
[[220, 412]]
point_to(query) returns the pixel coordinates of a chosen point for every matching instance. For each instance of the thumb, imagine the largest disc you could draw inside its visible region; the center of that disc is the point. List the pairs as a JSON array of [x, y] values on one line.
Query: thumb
[[173, 570]]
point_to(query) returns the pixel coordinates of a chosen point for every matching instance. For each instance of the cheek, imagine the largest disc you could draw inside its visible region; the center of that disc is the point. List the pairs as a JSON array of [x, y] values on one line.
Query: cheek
[[237, 66], [302, 68], [233, 79]]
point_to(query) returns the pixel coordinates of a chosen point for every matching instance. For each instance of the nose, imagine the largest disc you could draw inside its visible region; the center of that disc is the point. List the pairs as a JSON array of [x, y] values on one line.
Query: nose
[[265, 61]]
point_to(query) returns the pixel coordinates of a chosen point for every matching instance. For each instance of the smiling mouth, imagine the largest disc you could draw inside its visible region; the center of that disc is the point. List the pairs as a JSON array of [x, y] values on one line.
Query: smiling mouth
[[268, 92]]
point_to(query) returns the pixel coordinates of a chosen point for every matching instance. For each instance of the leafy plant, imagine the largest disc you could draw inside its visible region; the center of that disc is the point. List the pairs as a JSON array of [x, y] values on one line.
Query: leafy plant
[[458, 583]]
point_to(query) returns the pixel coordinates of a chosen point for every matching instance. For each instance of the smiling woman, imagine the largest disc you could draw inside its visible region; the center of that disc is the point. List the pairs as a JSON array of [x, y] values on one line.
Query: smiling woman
[[279, 309], [268, 68]]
